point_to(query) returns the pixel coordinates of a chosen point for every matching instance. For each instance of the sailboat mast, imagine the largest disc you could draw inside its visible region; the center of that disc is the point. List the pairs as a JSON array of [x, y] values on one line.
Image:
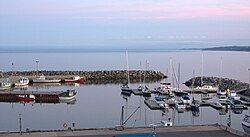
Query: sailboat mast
[[170, 72], [179, 75], [127, 68], [220, 70], [202, 72]]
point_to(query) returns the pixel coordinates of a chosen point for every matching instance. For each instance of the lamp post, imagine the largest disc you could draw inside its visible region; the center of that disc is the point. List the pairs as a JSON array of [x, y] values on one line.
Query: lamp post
[[12, 68], [249, 80], [37, 67]]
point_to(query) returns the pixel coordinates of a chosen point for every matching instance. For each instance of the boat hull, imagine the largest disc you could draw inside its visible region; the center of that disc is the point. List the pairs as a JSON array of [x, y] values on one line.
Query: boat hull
[[46, 81], [26, 99], [80, 80], [66, 98]]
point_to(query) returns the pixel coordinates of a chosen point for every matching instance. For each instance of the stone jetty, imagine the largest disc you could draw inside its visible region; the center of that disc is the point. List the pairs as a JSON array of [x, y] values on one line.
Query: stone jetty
[[226, 83], [96, 77]]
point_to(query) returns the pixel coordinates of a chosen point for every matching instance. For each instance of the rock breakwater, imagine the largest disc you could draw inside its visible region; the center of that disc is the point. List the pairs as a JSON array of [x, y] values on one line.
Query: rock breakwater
[[226, 83], [97, 77]]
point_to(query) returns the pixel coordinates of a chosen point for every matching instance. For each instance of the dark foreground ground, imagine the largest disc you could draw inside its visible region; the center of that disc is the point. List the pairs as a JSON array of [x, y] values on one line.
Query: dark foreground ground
[[176, 131]]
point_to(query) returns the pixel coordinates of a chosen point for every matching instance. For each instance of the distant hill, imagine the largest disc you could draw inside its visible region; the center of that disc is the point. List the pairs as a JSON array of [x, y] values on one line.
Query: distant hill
[[230, 48]]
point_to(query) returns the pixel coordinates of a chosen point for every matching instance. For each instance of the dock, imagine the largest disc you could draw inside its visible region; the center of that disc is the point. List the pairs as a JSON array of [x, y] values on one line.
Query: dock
[[152, 104], [137, 92], [41, 96], [214, 130]]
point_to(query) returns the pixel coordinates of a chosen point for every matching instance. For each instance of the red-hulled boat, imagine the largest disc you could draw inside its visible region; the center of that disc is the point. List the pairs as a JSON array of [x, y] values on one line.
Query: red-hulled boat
[[26, 98], [75, 79]]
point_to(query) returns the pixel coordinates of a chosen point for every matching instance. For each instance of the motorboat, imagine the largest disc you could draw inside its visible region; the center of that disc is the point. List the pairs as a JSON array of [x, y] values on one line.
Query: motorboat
[[26, 97], [231, 93], [186, 99], [216, 105], [165, 89], [42, 79], [195, 104], [246, 121], [180, 107], [223, 99], [236, 104], [5, 85], [221, 91], [208, 88], [75, 79], [22, 81], [126, 90], [171, 101], [68, 95]]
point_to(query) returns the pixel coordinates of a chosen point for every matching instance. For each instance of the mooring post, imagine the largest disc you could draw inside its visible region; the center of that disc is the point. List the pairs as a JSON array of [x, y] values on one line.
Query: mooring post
[[20, 123]]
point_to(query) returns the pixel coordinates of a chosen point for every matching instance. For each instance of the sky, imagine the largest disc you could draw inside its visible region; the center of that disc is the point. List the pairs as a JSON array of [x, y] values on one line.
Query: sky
[[124, 24]]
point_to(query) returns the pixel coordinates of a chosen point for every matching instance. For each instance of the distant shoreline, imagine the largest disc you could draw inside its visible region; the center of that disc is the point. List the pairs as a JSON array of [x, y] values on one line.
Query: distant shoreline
[[79, 50], [229, 48]]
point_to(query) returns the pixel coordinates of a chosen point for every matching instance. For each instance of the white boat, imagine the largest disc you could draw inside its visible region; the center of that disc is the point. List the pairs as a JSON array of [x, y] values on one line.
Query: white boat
[[75, 79], [125, 88], [221, 91], [236, 104], [180, 107], [26, 97], [42, 79], [171, 101], [22, 81], [231, 93], [195, 104], [216, 105], [206, 88], [5, 85], [246, 121], [68, 95], [186, 99]]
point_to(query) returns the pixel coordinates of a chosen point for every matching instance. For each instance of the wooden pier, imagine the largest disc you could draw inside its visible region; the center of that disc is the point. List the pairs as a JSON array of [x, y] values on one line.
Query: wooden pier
[[41, 96]]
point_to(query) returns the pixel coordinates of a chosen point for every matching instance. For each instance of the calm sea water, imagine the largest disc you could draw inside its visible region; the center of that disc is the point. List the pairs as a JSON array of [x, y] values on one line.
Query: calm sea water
[[101, 105]]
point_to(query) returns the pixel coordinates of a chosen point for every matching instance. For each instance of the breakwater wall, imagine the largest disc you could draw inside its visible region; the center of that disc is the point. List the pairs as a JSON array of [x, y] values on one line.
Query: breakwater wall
[[96, 77], [226, 83]]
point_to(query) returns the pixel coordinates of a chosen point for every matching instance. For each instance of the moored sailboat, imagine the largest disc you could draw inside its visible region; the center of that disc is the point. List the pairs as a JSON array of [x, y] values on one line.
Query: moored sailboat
[[125, 88]]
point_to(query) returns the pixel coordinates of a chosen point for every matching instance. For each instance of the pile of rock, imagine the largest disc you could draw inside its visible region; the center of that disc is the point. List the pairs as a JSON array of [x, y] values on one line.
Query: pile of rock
[[226, 83]]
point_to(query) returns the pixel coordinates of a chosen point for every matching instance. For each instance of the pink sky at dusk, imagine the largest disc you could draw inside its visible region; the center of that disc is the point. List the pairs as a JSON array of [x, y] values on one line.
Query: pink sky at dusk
[[137, 9], [96, 22]]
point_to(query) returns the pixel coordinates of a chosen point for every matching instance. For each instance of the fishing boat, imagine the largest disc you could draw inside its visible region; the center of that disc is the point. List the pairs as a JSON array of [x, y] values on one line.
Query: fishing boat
[[75, 79], [42, 79], [68, 95], [22, 81], [5, 85], [26, 98]]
